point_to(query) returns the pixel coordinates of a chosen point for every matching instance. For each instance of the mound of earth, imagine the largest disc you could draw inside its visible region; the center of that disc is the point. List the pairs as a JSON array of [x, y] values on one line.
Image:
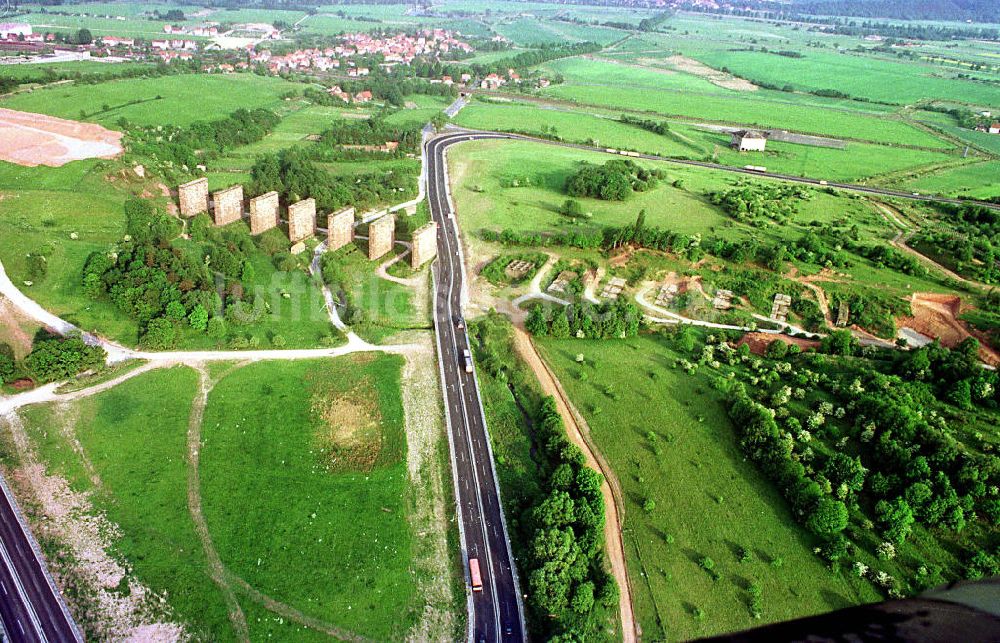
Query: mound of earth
[[36, 139], [936, 315]]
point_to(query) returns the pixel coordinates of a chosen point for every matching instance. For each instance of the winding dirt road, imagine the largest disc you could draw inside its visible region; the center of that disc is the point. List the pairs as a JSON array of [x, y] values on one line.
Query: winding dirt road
[[579, 434]]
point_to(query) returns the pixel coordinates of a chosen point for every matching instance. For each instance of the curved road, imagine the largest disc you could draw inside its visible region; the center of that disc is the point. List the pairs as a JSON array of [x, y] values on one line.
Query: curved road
[[496, 612]]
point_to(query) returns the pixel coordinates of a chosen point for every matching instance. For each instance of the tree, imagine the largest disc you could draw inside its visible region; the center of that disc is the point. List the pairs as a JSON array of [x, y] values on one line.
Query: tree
[[84, 37], [7, 363], [217, 328], [560, 325], [828, 517], [777, 349], [839, 342], [198, 319], [572, 208], [175, 311], [439, 120], [537, 324], [895, 518], [57, 358], [160, 334]]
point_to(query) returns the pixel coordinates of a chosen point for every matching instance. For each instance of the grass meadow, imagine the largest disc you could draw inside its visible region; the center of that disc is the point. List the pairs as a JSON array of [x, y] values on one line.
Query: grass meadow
[[682, 95], [669, 440], [142, 468], [174, 100], [858, 162], [303, 483], [306, 492]]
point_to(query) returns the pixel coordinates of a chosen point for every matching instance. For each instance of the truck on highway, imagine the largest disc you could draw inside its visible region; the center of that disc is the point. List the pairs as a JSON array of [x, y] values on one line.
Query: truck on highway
[[475, 576], [467, 357], [755, 168]]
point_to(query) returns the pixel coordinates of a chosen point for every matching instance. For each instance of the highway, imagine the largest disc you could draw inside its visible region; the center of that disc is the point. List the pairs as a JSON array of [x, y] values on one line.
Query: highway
[[497, 613], [30, 606]]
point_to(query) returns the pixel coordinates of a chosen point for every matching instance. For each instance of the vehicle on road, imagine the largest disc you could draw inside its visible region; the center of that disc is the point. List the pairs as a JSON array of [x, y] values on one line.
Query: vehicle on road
[[467, 356], [755, 168], [475, 576], [459, 323]]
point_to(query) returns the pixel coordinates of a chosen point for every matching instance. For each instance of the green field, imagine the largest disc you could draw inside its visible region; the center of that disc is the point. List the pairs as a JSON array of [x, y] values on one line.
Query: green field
[[858, 162], [483, 173], [35, 71], [861, 76], [979, 181], [708, 500], [303, 486], [142, 470], [173, 100], [313, 512]]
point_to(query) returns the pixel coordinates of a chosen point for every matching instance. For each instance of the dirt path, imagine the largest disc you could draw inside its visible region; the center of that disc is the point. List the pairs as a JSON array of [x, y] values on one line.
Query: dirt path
[[579, 433], [215, 568], [893, 216]]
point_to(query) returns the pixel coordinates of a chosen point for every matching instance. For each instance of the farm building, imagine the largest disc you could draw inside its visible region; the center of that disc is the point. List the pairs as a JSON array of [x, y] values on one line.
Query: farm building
[[995, 128], [748, 141]]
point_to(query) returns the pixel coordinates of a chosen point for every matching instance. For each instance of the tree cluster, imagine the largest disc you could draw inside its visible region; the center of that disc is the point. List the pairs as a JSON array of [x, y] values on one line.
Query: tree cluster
[[613, 181], [293, 174], [616, 319], [163, 287]]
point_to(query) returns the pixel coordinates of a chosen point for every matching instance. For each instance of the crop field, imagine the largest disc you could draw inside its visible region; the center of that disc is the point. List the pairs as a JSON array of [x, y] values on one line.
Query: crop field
[[134, 27], [859, 76], [531, 32], [741, 109], [174, 100], [668, 438], [858, 162], [40, 70]]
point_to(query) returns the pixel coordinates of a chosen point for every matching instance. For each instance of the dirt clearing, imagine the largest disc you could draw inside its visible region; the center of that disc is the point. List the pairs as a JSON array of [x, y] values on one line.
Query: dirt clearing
[[350, 433], [936, 316], [714, 76], [758, 342], [35, 139]]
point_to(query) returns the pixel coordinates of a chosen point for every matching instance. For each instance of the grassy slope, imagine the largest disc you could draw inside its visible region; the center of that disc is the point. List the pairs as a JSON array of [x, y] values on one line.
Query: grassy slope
[[184, 99], [336, 546], [708, 499], [857, 162], [36, 216], [601, 82], [142, 466]]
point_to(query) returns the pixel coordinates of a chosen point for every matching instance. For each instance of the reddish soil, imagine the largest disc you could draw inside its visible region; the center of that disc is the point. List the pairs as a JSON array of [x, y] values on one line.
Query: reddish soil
[[759, 342], [936, 316], [35, 139]]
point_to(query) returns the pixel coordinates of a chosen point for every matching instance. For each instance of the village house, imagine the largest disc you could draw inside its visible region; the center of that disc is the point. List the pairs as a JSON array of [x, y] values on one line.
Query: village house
[[994, 128]]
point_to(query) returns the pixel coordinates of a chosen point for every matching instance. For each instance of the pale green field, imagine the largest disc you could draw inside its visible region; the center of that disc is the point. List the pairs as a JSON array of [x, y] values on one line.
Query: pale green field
[[980, 181], [174, 100]]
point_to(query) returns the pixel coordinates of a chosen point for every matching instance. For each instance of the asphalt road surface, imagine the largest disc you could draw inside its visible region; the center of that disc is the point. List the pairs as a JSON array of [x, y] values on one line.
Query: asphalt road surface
[[497, 612], [30, 606]]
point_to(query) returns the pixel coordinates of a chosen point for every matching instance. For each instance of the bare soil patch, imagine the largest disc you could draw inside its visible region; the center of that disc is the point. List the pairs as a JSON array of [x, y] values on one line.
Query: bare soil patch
[[758, 342], [714, 76], [349, 428], [16, 329], [36, 139], [936, 316]]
